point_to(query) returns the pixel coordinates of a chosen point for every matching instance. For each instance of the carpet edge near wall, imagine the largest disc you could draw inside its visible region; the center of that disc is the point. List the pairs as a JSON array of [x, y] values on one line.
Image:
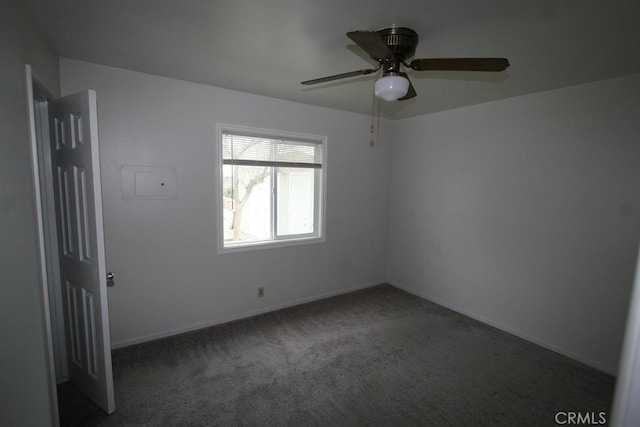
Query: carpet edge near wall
[[246, 315], [610, 370]]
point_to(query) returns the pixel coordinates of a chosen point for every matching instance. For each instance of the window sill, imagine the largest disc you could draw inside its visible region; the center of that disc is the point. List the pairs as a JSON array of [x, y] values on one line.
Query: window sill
[[269, 244]]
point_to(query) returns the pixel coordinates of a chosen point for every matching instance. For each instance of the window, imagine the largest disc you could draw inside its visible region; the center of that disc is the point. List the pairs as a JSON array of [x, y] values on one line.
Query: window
[[271, 187]]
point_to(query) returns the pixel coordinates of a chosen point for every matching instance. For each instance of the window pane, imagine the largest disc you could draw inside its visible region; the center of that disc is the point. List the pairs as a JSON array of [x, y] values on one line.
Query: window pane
[[246, 203], [246, 148], [300, 152], [295, 201], [242, 147], [271, 189]]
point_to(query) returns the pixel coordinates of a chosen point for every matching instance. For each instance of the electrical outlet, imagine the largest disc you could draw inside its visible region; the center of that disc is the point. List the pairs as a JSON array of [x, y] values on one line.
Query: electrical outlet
[[260, 292]]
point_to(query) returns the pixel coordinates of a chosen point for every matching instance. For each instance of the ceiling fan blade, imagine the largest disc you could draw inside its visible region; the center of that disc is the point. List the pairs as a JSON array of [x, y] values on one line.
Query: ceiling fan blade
[[460, 64], [411, 93], [372, 43], [338, 76]]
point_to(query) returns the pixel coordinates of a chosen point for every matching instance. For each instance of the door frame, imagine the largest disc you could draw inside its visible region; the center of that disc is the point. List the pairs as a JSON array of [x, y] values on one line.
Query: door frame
[[36, 97], [46, 208]]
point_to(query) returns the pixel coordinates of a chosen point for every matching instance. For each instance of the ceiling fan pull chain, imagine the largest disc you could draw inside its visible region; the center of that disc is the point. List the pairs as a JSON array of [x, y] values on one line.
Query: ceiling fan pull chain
[[377, 100], [373, 106], [374, 129]]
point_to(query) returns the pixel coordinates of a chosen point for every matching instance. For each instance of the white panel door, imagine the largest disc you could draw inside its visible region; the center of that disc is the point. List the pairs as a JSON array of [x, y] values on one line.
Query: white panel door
[[78, 199]]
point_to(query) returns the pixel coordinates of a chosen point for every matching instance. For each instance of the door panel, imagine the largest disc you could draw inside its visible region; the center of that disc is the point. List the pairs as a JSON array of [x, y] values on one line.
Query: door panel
[[78, 200]]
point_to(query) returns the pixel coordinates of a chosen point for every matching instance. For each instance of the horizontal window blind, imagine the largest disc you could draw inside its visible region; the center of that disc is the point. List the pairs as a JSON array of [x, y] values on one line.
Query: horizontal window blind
[[255, 150]]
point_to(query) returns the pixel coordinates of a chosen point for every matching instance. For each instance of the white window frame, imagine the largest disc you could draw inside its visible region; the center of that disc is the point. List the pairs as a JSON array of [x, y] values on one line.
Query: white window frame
[[320, 186]]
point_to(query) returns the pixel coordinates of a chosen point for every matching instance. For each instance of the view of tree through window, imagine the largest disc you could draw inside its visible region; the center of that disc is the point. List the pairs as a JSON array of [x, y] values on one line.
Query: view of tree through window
[[271, 187]]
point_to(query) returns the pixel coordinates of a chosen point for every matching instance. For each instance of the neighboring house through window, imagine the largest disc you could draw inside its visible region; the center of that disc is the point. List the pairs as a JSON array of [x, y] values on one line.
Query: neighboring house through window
[[271, 187]]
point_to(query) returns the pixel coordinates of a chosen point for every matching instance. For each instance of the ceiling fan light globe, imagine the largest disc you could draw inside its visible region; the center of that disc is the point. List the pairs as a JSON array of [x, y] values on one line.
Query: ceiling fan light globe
[[391, 88]]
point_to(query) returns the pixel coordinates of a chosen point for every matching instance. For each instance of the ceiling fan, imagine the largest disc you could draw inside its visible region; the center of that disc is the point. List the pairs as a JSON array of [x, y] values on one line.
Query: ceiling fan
[[391, 47]]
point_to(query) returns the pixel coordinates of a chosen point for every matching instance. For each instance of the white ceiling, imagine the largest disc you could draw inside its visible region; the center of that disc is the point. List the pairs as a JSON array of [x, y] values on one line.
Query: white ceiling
[[268, 47]]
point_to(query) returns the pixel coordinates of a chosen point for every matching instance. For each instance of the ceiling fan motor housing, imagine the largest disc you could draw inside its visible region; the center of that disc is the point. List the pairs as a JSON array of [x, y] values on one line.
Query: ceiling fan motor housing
[[402, 41]]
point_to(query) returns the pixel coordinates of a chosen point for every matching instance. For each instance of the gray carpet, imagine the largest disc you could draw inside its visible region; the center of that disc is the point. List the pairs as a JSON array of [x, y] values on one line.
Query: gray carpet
[[379, 356]]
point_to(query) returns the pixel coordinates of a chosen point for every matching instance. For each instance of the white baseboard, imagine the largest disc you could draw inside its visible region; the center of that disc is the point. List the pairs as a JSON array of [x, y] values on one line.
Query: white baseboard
[[608, 369], [219, 321]]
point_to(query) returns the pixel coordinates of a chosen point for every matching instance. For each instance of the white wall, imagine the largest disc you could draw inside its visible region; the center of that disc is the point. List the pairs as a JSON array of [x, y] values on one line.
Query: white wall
[[525, 213], [169, 276], [25, 386]]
